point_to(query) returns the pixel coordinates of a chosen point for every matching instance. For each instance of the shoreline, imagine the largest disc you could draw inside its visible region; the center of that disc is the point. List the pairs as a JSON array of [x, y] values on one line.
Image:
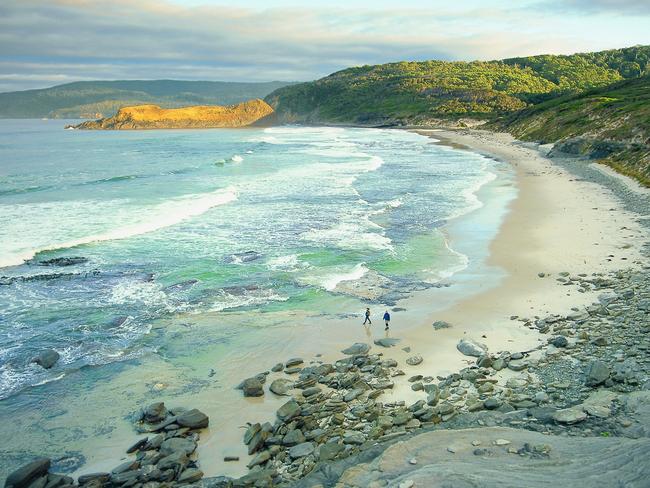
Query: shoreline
[[554, 243]]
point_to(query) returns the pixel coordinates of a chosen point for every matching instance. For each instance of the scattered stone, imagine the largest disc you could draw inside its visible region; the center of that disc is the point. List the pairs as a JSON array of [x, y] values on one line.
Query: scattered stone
[[441, 324], [559, 341], [191, 475], [156, 412], [501, 442], [569, 416], [288, 411], [356, 349], [597, 373], [386, 342], [293, 362], [469, 347], [414, 360], [193, 419], [252, 387], [281, 386], [301, 450]]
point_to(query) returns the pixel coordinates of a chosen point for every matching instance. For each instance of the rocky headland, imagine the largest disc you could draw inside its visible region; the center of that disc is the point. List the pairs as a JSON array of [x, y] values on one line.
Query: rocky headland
[[243, 114]]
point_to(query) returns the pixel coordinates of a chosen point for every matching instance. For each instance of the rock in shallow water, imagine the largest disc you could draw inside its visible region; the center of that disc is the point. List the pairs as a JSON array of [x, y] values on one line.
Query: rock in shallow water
[[23, 477], [193, 419], [252, 387], [281, 386], [47, 358], [288, 411], [155, 412]]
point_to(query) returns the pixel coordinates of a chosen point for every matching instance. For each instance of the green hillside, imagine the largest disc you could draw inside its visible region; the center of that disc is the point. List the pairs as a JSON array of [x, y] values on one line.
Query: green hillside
[[611, 124], [94, 99], [423, 92]]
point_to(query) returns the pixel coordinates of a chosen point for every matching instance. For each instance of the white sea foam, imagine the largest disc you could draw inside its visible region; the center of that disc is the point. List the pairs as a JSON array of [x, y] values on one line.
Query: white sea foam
[[229, 301], [163, 215], [236, 158], [350, 235], [285, 263], [330, 282]]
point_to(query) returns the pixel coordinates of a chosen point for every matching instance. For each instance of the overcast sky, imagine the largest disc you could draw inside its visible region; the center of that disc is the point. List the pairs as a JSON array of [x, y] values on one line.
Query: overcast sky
[[48, 42]]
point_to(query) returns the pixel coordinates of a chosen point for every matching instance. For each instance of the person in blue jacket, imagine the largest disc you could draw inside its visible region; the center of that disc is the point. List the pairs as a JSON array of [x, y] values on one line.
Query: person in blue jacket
[[387, 319]]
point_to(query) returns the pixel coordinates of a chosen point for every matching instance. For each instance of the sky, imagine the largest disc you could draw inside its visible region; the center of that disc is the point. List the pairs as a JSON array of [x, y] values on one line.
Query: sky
[[49, 42]]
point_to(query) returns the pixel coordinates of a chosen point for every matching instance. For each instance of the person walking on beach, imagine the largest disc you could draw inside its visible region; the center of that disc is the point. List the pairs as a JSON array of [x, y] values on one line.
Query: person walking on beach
[[387, 319], [367, 317]]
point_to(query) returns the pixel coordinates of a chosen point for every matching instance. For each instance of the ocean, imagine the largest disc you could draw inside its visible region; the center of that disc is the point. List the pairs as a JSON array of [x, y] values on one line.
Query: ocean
[[196, 249]]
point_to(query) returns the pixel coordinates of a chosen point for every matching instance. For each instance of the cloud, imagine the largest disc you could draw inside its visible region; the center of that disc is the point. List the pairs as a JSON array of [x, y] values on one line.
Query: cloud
[[609, 7], [45, 41]]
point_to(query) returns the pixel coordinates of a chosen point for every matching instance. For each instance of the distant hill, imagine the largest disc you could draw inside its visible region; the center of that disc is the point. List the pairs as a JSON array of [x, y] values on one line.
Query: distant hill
[[96, 99], [611, 124], [410, 93], [196, 117]]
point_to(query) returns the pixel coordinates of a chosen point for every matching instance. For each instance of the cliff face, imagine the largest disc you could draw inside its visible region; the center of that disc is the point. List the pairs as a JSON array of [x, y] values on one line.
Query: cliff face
[[198, 117]]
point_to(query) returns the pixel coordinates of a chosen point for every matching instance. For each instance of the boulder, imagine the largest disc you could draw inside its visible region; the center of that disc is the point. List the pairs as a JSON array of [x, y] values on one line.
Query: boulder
[[293, 438], [329, 451], [597, 372], [174, 444], [441, 324], [193, 419], [293, 362], [281, 386], [259, 459], [99, 478], [469, 347], [176, 460], [47, 358], [311, 391], [156, 412], [288, 411], [356, 349], [252, 387], [559, 341], [25, 475], [301, 450], [498, 364], [191, 475], [386, 342], [569, 416], [414, 360], [485, 361]]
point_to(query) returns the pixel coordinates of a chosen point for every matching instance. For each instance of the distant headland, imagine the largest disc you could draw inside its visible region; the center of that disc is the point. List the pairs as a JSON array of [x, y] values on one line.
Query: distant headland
[[243, 114]]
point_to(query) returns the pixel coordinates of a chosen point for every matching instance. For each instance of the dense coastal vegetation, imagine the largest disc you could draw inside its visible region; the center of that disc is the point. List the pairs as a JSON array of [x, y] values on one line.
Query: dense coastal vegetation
[[95, 99], [593, 104], [407, 93], [611, 123]]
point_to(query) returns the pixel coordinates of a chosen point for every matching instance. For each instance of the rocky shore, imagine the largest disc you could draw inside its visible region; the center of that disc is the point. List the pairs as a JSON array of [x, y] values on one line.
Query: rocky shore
[[575, 408], [590, 380]]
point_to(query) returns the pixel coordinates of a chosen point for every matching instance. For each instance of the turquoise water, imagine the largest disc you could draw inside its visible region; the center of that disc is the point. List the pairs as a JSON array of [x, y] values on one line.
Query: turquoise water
[[173, 225]]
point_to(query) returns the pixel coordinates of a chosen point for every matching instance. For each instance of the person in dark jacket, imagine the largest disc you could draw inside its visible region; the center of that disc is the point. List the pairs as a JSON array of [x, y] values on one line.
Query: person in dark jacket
[[367, 317], [387, 319]]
